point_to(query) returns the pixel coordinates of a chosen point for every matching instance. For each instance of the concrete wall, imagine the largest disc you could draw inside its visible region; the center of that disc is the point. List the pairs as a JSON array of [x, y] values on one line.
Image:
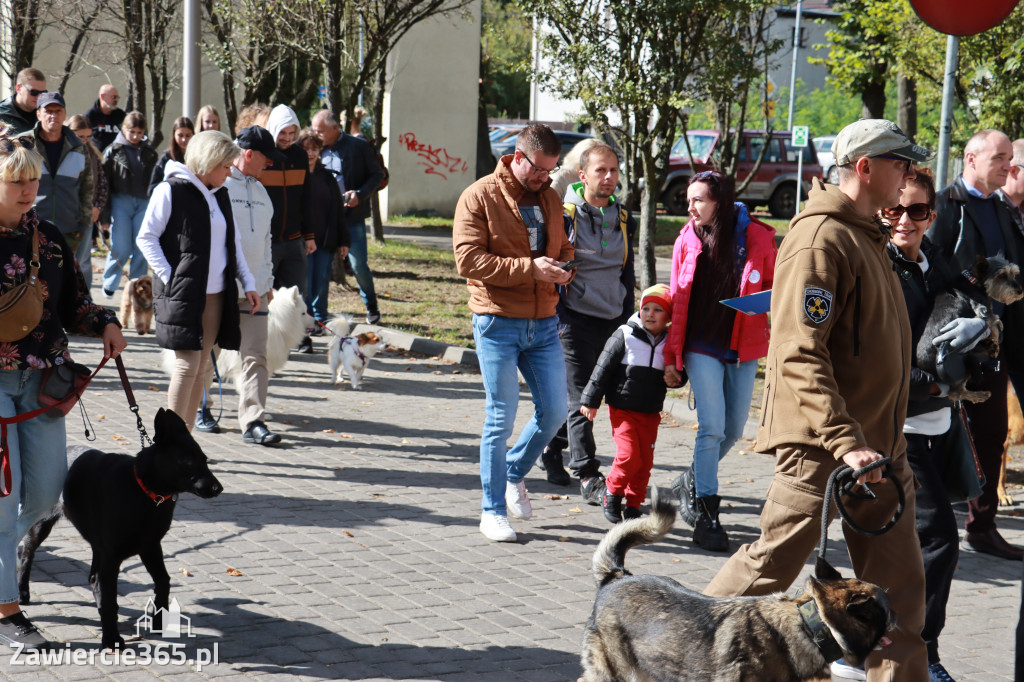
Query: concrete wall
[[430, 115]]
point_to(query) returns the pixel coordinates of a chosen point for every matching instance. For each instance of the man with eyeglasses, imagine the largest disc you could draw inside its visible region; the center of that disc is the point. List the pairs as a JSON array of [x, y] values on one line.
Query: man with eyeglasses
[[105, 116], [836, 389], [974, 221], [510, 245], [18, 111]]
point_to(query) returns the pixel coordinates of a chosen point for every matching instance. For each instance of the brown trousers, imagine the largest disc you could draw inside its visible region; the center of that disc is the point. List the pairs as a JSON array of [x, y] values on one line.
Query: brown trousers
[[791, 529], [190, 366]]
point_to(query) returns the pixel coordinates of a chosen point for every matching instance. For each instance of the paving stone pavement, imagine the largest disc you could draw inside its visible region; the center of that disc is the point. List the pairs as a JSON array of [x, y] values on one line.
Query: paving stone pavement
[[358, 553]]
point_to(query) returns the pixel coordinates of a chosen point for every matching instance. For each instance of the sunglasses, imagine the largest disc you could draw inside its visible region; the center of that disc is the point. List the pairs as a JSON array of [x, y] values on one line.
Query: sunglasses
[[9, 144], [32, 91], [905, 162], [915, 211], [538, 169]]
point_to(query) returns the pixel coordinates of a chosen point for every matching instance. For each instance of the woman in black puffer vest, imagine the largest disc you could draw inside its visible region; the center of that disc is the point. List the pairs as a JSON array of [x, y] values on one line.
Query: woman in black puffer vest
[[189, 238]]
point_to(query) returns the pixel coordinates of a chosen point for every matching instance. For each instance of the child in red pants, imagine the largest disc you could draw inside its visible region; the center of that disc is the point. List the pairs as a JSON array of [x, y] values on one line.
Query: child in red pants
[[630, 374]]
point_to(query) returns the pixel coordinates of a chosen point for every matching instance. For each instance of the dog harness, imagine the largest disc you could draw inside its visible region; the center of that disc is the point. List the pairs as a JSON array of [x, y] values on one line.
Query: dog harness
[[820, 633], [354, 343]]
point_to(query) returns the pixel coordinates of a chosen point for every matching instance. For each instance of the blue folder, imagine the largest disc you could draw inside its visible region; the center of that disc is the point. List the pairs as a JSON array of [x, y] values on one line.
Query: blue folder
[[754, 304]]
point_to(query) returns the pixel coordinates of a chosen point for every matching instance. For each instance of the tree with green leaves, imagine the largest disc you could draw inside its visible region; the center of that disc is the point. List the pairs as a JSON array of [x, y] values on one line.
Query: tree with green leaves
[[639, 68]]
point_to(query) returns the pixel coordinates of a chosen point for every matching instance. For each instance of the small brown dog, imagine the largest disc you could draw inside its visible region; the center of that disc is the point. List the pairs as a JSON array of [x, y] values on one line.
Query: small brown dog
[[1014, 436], [137, 301]]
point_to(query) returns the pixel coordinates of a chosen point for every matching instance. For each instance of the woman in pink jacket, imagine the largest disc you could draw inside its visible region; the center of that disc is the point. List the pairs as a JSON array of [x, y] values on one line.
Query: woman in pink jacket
[[721, 253]]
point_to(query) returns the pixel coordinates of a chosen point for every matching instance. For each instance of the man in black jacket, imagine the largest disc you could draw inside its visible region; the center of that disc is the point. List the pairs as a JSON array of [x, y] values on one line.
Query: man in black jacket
[[972, 220], [105, 116], [18, 112], [354, 164]]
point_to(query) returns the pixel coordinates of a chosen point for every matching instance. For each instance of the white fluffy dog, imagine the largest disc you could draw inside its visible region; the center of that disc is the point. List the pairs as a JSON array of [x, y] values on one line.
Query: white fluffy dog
[[352, 353], [286, 325]]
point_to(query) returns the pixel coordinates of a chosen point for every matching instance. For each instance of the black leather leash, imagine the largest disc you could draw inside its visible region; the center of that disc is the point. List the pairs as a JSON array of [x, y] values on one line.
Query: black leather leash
[[132, 404], [841, 482]]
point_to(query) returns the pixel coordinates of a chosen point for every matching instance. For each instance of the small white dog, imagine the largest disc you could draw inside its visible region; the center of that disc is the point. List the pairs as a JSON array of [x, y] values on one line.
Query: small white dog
[[287, 323], [352, 353]]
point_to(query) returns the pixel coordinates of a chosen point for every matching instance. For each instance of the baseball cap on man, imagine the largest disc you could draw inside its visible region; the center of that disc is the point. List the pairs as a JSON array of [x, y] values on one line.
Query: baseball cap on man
[[259, 139], [50, 97], [875, 137]]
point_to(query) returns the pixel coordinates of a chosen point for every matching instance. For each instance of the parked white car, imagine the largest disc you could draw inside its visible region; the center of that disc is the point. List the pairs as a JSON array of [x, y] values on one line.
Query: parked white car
[[827, 161]]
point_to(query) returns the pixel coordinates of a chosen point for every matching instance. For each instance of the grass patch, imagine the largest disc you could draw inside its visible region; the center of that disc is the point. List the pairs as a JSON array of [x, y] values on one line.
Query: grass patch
[[420, 221], [418, 290]]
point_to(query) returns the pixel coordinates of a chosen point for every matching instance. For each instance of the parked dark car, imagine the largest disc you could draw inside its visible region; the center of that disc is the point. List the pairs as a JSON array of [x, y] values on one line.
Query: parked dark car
[[508, 144], [774, 184]]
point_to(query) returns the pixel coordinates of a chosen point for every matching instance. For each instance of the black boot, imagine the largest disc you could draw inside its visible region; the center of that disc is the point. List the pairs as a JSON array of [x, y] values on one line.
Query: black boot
[[708, 532], [612, 506], [686, 489], [551, 462]]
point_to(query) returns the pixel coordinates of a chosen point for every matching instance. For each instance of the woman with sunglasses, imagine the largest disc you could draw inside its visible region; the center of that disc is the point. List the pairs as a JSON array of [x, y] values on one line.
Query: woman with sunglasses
[[36, 447], [933, 429], [721, 253]]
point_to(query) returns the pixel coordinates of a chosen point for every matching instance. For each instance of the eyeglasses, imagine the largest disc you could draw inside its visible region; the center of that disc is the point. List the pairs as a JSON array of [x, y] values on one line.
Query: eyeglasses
[[915, 211], [906, 162], [538, 169], [9, 144], [32, 91]]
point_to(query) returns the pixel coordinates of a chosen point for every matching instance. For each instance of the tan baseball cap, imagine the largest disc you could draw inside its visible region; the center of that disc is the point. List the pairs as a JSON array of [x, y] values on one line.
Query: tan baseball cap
[[875, 137]]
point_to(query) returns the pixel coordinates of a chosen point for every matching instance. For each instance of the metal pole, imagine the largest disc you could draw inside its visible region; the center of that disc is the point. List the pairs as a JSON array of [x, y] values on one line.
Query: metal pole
[[190, 69], [533, 77], [360, 56], [946, 123], [792, 74]]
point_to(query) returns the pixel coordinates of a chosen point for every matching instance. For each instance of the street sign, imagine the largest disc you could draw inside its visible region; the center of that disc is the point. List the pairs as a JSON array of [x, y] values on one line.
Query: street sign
[[800, 134]]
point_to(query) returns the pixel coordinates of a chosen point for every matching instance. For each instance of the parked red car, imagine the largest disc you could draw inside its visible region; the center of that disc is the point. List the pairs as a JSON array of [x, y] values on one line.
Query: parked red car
[[774, 184]]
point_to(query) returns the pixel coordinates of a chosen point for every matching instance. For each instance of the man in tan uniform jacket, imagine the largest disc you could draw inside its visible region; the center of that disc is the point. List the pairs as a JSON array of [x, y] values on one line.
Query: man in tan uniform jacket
[[836, 391]]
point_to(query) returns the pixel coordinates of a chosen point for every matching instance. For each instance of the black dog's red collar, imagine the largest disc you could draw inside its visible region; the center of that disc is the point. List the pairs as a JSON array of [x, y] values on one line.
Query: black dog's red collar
[[159, 499]]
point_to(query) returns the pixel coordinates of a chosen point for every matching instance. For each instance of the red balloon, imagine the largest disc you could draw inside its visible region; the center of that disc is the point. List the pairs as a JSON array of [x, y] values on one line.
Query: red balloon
[[959, 18]]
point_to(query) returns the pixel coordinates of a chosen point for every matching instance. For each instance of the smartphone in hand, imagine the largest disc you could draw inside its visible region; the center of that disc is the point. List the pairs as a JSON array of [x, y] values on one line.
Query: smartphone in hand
[[570, 264]]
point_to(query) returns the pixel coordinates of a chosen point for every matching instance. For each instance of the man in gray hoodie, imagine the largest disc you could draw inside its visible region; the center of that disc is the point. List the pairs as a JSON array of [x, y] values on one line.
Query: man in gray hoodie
[[591, 306]]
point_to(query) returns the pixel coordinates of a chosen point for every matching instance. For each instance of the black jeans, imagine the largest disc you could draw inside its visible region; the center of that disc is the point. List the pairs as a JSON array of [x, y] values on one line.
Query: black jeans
[[936, 526], [583, 338]]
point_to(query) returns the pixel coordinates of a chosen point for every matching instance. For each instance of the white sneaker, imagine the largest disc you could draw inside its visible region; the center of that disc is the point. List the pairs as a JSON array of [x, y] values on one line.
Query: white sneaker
[[847, 672], [517, 500], [495, 527]]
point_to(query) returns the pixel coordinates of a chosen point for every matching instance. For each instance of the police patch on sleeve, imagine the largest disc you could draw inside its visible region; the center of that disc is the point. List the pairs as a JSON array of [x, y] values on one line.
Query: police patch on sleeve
[[817, 304]]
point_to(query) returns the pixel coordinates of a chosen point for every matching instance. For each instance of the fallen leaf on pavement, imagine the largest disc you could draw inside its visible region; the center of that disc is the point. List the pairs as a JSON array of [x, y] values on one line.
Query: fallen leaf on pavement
[[184, 572], [348, 533], [234, 572], [576, 510], [564, 539]]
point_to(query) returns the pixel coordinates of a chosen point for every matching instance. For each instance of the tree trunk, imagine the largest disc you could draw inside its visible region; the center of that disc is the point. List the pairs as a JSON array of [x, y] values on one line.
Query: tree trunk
[[647, 270], [872, 100], [378, 140], [906, 103]]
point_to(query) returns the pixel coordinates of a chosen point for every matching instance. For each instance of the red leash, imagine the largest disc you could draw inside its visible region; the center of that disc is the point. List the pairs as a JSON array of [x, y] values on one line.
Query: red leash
[[75, 394]]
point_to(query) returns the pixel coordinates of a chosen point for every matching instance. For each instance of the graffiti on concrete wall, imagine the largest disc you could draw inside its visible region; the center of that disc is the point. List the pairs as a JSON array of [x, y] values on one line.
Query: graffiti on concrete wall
[[436, 160]]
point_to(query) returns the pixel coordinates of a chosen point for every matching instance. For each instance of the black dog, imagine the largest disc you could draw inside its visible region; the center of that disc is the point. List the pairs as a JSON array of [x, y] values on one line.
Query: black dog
[[124, 506]]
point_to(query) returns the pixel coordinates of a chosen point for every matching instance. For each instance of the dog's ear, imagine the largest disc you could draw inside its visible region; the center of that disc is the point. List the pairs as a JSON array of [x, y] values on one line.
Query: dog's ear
[[167, 420], [823, 570], [862, 606], [980, 265]]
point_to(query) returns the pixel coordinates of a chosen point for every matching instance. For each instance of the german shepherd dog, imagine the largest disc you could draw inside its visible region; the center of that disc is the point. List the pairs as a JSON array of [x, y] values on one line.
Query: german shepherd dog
[[123, 506], [650, 628]]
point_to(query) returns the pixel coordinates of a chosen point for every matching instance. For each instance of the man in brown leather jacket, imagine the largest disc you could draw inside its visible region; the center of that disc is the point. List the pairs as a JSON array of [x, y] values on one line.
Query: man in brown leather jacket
[[510, 244], [836, 392]]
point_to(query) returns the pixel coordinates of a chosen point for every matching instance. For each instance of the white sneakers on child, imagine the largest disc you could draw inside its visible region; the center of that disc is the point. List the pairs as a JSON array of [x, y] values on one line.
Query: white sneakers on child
[[517, 500], [495, 527]]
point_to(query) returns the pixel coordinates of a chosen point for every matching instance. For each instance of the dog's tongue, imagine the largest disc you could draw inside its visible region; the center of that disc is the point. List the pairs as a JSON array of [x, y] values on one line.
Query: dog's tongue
[[884, 642]]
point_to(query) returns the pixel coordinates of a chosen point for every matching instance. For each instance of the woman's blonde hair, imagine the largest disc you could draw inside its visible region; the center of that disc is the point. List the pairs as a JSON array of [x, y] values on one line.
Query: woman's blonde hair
[[208, 109], [210, 150], [18, 162]]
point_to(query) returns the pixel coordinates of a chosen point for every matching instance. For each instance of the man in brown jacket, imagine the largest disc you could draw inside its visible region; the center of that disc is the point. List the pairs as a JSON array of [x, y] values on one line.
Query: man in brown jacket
[[836, 391], [510, 244]]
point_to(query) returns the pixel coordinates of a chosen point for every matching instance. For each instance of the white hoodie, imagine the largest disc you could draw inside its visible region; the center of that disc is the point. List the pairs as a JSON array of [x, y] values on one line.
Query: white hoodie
[[280, 118], [253, 211], [155, 222]]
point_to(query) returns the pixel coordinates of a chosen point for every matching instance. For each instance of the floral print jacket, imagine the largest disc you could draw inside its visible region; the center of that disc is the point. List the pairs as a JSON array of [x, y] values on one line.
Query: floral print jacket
[[66, 302]]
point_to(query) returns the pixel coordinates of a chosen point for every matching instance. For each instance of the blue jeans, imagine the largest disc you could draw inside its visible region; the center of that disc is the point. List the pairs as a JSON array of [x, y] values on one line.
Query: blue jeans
[[83, 254], [504, 345], [361, 269], [722, 391], [37, 472], [318, 283], [126, 214]]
